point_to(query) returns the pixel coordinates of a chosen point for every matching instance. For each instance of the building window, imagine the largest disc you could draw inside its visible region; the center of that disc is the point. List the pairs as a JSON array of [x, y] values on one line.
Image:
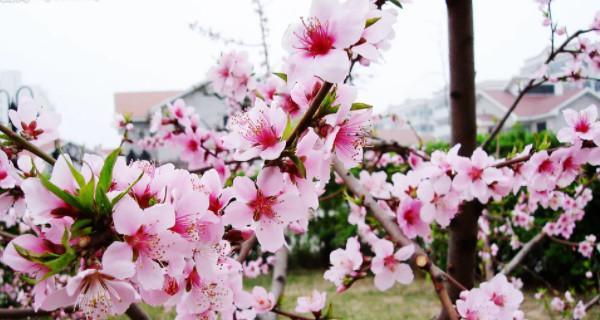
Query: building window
[[545, 89], [540, 126]]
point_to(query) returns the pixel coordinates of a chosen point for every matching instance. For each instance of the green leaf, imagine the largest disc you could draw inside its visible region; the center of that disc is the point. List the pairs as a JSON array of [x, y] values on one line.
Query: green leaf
[[78, 176], [86, 195], [283, 76], [360, 106], [289, 128], [105, 181], [371, 21], [328, 314], [61, 262], [81, 227], [126, 191], [397, 3], [106, 173], [299, 166], [63, 195], [33, 256]]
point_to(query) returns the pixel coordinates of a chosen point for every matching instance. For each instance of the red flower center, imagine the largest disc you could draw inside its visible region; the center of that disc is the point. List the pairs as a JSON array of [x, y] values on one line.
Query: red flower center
[[582, 126], [547, 166], [316, 40], [263, 206], [475, 173], [411, 216]]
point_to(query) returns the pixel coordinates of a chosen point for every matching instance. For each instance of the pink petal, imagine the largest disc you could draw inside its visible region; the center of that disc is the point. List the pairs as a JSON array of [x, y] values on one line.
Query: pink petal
[[244, 189], [270, 235], [127, 216], [117, 260], [270, 181], [58, 299], [238, 214]]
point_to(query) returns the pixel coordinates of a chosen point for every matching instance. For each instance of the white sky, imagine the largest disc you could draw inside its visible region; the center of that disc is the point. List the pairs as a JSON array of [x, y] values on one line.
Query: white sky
[[81, 52]]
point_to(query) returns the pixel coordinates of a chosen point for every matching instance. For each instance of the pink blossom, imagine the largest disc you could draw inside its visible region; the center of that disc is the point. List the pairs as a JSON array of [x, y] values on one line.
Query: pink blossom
[[231, 77], [318, 42], [100, 292], [586, 247], [376, 183], [542, 171], [263, 301], [409, 218], [557, 304], [503, 295], [475, 305], [579, 311], [390, 267], [35, 123], [344, 262], [581, 125], [146, 232], [474, 175], [313, 303], [268, 206], [257, 132], [376, 35]]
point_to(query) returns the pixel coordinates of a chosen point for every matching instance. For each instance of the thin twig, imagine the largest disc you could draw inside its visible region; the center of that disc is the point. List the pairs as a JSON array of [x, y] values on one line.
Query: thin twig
[[421, 259], [530, 85], [26, 145]]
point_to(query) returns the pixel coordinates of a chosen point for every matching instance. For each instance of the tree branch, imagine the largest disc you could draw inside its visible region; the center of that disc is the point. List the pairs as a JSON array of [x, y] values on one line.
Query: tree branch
[[518, 258], [421, 259], [246, 248], [26, 145], [530, 85]]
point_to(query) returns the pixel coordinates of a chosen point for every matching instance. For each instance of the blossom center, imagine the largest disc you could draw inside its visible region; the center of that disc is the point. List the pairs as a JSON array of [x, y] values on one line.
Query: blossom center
[[262, 206], [316, 39], [582, 126]]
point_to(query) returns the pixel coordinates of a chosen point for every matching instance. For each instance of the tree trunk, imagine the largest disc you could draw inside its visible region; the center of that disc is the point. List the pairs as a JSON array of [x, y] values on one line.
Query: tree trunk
[[463, 229]]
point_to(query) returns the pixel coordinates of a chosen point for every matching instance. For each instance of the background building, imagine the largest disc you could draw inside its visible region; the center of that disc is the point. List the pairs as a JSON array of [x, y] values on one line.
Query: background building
[[540, 109], [141, 105]]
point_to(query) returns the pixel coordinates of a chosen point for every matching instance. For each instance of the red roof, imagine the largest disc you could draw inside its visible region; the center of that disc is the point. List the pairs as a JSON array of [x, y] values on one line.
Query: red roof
[[532, 104], [138, 104]]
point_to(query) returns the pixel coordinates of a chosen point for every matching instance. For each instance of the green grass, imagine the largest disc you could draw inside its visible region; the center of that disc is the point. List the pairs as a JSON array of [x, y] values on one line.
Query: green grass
[[363, 301]]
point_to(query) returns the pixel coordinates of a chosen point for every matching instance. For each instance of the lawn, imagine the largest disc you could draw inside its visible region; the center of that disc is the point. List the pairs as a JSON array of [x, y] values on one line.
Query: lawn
[[364, 301]]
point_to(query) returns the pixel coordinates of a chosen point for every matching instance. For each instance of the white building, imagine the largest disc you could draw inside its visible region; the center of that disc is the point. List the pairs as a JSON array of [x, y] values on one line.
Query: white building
[[12, 88], [141, 105], [540, 109]]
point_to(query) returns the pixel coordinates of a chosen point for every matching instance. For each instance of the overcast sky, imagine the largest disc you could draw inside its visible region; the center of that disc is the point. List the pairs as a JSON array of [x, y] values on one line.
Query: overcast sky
[[82, 52]]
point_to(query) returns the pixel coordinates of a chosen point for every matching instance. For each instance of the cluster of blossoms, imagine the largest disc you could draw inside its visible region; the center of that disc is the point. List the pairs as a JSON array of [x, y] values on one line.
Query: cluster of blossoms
[[109, 233], [567, 306], [495, 300], [255, 268]]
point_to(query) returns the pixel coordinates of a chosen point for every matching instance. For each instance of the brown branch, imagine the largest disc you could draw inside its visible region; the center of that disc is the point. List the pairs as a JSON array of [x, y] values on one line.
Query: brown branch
[[134, 312], [331, 195], [308, 116], [290, 315], [530, 85], [246, 248], [421, 259], [7, 235], [22, 313], [527, 247], [563, 242], [592, 302], [26, 145], [279, 279]]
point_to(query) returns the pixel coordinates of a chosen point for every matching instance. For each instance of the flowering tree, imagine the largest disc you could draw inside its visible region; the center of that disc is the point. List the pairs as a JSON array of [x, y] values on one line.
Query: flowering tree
[[99, 237]]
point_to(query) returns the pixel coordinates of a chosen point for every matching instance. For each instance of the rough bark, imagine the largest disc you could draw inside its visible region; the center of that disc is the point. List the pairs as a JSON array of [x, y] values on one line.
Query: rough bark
[[279, 279], [463, 229]]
